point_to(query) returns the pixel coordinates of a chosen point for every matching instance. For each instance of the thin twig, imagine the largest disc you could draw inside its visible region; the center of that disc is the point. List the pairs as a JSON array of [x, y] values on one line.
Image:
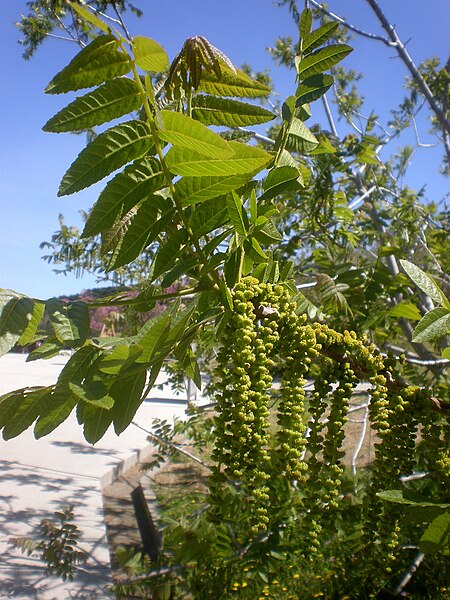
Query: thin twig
[[408, 575], [329, 114], [175, 447], [409, 63], [257, 136], [124, 27], [362, 437], [161, 572], [372, 36]]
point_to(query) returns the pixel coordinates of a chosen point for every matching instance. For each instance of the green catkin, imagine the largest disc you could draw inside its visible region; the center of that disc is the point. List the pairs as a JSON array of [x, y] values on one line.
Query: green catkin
[[243, 380], [297, 351], [263, 335]]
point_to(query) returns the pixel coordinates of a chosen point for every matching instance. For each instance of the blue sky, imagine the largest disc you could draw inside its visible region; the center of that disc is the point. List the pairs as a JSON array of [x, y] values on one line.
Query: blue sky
[[33, 162]]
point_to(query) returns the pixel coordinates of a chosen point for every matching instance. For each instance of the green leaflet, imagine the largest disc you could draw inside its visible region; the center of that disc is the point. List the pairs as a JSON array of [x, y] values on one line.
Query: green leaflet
[[22, 407], [232, 83], [107, 152], [79, 364], [233, 267], [318, 37], [180, 130], [127, 392], [246, 159], [236, 213], [124, 191], [92, 392], [278, 180], [268, 234], [151, 334], [435, 324], [89, 16], [58, 405], [215, 242], [111, 100], [100, 61], [300, 137], [168, 252], [183, 266], [436, 538], [17, 315], [122, 356], [425, 283], [405, 309], [36, 317], [70, 321], [267, 271], [305, 23], [208, 216], [401, 497], [112, 237], [51, 347], [230, 113], [8, 405], [312, 88], [193, 190], [254, 251], [151, 219], [149, 55], [96, 422], [321, 60]]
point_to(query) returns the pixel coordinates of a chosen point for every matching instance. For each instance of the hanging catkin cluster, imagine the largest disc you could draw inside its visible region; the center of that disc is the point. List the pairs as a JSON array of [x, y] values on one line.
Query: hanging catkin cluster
[[302, 439]]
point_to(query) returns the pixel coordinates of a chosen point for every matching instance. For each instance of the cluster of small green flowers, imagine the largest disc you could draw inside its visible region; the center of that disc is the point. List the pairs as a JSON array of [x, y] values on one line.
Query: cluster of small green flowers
[[297, 349], [318, 404], [393, 415], [436, 434], [334, 439], [263, 332], [243, 384]]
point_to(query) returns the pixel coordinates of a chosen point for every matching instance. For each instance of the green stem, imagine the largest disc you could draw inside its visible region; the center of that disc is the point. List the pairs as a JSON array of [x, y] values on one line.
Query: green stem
[[150, 111]]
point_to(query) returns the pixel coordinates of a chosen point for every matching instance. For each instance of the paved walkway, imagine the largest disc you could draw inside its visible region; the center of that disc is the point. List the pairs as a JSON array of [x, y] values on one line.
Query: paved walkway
[[37, 477]]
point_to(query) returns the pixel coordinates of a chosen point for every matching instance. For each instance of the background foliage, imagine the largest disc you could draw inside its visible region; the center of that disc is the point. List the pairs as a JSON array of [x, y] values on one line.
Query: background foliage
[[323, 226]]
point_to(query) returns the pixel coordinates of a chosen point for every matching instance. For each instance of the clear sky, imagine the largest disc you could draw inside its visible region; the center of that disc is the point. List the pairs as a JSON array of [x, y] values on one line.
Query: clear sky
[[33, 162]]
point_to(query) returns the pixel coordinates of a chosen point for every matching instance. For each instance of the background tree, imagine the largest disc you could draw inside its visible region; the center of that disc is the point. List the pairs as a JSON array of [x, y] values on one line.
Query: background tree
[[243, 227]]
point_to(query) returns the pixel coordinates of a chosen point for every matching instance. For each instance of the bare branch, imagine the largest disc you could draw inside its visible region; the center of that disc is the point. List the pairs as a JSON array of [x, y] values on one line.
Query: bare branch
[[409, 63], [329, 115], [372, 36], [408, 575], [62, 37]]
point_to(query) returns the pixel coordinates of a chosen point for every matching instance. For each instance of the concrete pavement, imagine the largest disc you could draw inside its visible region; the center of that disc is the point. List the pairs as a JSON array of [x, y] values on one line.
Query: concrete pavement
[[37, 477]]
